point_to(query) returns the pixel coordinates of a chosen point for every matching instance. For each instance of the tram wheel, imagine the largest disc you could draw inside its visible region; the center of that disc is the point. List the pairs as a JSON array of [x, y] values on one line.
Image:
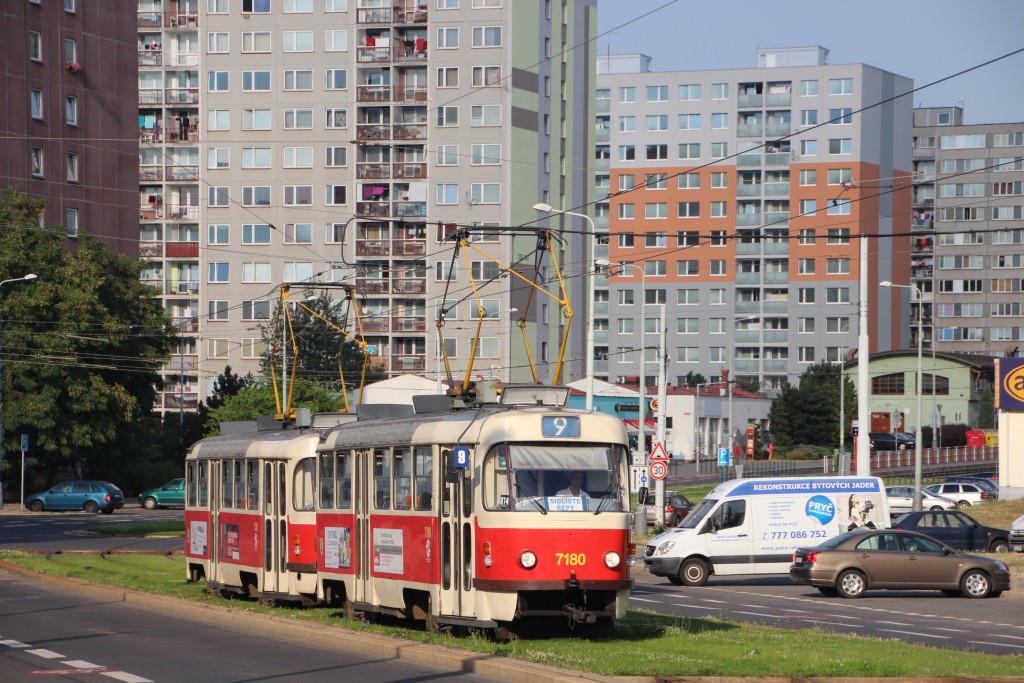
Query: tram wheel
[[432, 625]]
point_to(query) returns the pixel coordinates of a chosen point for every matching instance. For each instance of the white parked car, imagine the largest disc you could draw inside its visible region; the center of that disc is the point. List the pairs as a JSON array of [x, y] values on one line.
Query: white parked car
[[901, 499], [964, 494], [1017, 535]]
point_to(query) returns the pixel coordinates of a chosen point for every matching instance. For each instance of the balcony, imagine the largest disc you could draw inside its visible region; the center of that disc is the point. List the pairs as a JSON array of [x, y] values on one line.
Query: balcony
[[183, 249], [410, 131], [151, 213], [181, 20], [410, 170], [151, 250], [754, 100], [373, 93], [775, 217], [775, 365], [370, 54], [774, 189], [747, 278], [183, 173], [776, 306], [748, 190], [747, 249], [151, 172], [406, 324], [777, 159], [373, 209], [376, 324], [366, 171], [602, 134], [776, 278], [409, 247], [179, 211], [407, 363], [183, 287], [779, 99], [774, 128], [373, 131], [411, 209], [187, 325], [373, 15], [149, 57], [411, 14], [183, 59], [151, 96], [410, 93], [409, 286], [372, 248], [411, 54], [179, 401], [150, 19], [748, 218], [181, 96], [780, 248], [372, 285], [750, 130], [748, 160]]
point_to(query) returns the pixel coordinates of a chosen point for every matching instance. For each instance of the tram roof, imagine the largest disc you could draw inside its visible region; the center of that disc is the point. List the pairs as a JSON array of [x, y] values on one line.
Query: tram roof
[[252, 444]]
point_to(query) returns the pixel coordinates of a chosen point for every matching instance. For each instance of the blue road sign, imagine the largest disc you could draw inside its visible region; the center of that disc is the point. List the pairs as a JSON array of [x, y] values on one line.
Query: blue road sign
[[24, 442], [723, 457]]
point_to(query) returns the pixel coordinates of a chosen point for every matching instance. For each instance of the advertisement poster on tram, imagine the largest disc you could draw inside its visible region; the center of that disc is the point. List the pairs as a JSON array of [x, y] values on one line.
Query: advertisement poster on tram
[[338, 547], [388, 551]]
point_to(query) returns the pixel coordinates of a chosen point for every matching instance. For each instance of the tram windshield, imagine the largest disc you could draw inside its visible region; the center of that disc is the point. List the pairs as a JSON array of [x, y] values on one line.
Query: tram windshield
[[555, 478]]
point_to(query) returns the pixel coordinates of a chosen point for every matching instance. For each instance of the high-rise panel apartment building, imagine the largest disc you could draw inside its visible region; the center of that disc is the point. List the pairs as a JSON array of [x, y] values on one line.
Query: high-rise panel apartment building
[[68, 114], [736, 198], [968, 189], [338, 141]]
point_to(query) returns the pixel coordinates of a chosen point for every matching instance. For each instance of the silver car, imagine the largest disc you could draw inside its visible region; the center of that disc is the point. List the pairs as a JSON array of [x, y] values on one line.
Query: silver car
[[965, 495], [901, 499]]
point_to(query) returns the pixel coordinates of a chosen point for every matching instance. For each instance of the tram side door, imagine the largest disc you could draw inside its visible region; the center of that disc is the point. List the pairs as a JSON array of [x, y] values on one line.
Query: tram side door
[[275, 527], [456, 536], [362, 542], [214, 566]]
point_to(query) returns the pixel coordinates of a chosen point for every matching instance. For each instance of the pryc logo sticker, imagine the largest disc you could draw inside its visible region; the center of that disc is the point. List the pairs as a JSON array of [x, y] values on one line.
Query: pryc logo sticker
[[821, 508]]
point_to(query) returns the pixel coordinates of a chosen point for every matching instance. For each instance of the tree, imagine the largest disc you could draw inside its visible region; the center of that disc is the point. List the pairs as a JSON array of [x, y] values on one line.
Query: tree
[[257, 398], [809, 413], [692, 379], [320, 345], [227, 384], [82, 345]]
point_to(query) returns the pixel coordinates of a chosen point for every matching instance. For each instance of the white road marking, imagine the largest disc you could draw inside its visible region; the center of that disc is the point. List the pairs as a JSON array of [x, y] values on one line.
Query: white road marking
[[126, 677], [952, 630], [913, 633], [45, 654], [892, 623], [850, 616], [1003, 635], [13, 643], [819, 622], [983, 642], [720, 602], [645, 600], [82, 664]]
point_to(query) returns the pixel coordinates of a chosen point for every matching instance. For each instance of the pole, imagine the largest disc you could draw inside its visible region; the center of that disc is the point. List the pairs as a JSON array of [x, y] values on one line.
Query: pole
[[25, 278], [659, 485], [842, 405], [920, 388], [863, 378]]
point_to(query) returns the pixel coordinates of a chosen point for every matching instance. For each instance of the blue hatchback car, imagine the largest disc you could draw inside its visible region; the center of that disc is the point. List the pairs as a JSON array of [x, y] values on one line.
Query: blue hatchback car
[[91, 496]]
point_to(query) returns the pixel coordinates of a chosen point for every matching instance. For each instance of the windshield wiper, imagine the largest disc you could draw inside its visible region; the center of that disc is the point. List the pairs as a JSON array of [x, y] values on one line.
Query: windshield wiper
[[532, 499]]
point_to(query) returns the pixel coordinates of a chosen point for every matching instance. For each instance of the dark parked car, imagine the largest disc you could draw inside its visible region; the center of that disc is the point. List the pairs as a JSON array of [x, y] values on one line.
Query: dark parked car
[[677, 506], [891, 441], [866, 559], [91, 496], [171, 493], [956, 529]]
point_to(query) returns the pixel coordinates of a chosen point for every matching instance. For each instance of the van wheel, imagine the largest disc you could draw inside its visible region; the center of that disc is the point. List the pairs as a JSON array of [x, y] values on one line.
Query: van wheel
[[851, 584], [694, 572], [675, 580]]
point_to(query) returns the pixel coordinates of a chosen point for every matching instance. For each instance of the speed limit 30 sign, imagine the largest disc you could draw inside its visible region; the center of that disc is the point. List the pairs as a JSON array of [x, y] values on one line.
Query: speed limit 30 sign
[[659, 470]]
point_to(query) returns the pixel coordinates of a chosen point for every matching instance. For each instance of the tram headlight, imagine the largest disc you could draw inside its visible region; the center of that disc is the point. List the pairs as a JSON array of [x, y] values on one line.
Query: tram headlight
[[612, 559], [528, 560], [665, 547]]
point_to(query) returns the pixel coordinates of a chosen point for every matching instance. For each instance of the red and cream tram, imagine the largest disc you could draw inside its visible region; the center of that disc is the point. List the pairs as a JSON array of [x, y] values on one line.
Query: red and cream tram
[[484, 516]]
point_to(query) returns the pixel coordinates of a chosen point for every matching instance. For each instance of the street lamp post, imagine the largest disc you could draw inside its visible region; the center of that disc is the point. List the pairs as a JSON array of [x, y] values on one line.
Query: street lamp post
[[25, 278], [919, 387], [590, 299]]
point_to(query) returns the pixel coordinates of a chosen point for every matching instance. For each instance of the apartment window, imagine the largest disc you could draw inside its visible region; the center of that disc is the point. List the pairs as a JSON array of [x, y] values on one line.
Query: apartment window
[[718, 238], [448, 77], [36, 103], [808, 177], [485, 193], [840, 146], [219, 119], [256, 119], [254, 157], [35, 46], [298, 6], [687, 268], [626, 212], [657, 122], [718, 210], [719, 121], [657, 152], [336, 195], [808, 206], [627, 95], [685, 297], [256, 195], [217, 81], [71, 222], [840, 176], [808, 88], [298, 79], [447, 155], [447, 38], [656, 210], [840, 117], [485, 115], [688, 181], [72, 167], [805, 266], [298, 195], [625, 325], [689, 92], [217, 41], [256, 6], [71, 110], [688, 210], [689, 122], [336, 79], [256, 234], [690, 150], [300, 271], [657, 93], [719, 179], [719, 150], [838, 236], [255, 81], [808, 117], [298, 41], [805, 295], [70, 50], [486, 36], [447, 193], [837, 266], [656, 181], [484, 270], [719, 91], [256, 310], [839, 207], [219, 273], [486, 155], [837, 295], [805, 325], [335, 40], [218, 233], [840, 86], [336, 118], [627, 124], [218, 196], [298, 233], [219, 158], [298, 119], [37, 162], [256, 41], [627, 152], [485, 76], [805, 354], [298, 157], [447, 116], [217, 310]]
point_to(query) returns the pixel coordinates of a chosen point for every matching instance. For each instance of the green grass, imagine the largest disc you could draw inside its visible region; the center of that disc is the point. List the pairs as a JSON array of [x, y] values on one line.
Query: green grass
[[644, 644], [168, 528]]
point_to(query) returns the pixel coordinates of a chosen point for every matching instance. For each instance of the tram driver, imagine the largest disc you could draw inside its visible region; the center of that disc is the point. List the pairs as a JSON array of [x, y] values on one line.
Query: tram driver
[[575, 487]]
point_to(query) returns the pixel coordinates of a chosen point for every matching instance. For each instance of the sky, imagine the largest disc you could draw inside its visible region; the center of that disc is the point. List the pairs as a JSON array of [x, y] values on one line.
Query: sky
[[925, 40]]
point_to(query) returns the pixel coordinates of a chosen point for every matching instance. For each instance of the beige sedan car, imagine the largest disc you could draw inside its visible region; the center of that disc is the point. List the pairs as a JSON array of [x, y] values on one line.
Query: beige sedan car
[[853, 563]]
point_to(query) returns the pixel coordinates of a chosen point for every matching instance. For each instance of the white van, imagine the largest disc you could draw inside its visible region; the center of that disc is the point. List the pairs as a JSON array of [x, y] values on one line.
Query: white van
[[753, 526]]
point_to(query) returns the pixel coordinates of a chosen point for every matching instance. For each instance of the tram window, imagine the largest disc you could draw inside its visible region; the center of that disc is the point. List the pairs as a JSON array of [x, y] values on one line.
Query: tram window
[[190, 486], [203, 485], [326, 481], [467, 497], [239, 489], [403, 491], [302, 485], [381, 480], [225, 497], [344, 473], [424, 477], [252, 477]]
